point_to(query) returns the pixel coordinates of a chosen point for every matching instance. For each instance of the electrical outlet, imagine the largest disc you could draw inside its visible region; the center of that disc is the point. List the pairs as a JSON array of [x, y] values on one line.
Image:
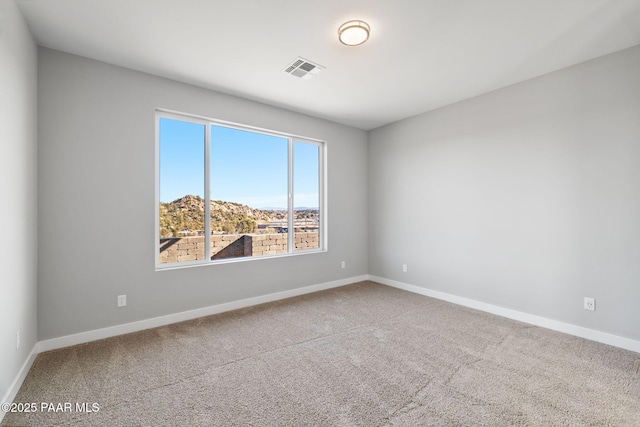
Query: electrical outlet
[[404, 267], [122, 300], [344, 264], [589, 303], [18, 340]]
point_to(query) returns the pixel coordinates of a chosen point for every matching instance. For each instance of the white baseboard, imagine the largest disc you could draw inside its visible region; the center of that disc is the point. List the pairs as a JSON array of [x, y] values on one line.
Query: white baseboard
[[17, 382], [567, 328], [112, 331]]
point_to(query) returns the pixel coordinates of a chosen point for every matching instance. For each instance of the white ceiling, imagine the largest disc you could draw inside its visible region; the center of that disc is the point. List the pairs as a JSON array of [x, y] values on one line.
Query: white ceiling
[[422, 54]]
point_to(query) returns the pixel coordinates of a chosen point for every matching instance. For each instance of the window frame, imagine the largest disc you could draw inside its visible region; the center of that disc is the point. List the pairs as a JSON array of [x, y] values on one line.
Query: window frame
[[292, 139]]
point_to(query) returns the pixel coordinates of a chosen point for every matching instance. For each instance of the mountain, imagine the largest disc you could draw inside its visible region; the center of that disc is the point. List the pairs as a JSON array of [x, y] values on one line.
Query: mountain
[[185, 217]]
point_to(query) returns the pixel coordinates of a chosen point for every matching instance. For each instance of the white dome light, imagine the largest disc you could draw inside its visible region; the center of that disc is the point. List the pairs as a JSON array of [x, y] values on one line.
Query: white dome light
[[353, 33]]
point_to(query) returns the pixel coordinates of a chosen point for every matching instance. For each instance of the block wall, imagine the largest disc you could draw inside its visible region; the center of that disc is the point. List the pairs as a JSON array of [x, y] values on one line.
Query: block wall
[[233, 246]]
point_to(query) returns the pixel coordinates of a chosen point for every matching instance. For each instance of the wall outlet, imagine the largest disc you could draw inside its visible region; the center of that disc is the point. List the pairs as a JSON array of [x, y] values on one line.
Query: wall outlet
[[18, 340], [589, 303], [122, 300], [344, 264], [404, 267]]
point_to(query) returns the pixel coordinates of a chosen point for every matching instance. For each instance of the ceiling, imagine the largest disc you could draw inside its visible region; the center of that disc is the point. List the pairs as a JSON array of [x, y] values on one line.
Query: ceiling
[[422, 54]]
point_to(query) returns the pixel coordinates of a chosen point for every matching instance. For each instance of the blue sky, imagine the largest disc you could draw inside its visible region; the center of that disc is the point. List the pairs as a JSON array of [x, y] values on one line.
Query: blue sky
[[246, 167]]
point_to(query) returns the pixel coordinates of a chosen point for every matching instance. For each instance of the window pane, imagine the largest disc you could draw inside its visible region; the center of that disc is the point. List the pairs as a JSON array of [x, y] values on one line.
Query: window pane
[[181, 191], [249, 193], [257, 188], [306, 196]]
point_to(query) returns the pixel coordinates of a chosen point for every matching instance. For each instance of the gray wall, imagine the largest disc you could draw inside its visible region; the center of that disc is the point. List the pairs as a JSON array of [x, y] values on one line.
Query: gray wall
[[526, 198], [18, 179], [96, 199]]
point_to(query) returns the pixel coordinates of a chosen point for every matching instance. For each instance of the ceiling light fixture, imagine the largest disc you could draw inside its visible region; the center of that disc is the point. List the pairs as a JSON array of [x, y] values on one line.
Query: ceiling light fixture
[[353, 33]]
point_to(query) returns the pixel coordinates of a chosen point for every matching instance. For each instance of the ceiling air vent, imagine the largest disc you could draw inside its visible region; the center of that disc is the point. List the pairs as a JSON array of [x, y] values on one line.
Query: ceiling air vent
[[303, 69]]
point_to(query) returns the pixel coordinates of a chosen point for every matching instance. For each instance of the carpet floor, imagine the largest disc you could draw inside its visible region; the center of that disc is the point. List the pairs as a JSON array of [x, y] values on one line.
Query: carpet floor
[[359, 355]]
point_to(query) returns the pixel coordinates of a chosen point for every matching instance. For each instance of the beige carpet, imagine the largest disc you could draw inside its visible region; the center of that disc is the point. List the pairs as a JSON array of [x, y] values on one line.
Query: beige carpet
[[360, 355]]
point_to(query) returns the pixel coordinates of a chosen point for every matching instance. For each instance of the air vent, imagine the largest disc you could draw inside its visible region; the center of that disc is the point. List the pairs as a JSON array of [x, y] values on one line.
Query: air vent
[[303, 69]]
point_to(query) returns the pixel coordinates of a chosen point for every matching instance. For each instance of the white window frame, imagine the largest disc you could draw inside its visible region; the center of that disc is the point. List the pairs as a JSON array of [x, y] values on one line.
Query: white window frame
[[208, 122]]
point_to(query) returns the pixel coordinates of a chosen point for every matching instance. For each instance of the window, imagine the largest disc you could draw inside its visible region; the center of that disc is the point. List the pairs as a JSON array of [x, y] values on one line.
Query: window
[[232, 192]]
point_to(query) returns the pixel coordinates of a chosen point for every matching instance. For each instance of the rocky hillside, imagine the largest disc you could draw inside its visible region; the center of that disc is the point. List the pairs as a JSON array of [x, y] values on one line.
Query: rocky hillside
[[185, 216]]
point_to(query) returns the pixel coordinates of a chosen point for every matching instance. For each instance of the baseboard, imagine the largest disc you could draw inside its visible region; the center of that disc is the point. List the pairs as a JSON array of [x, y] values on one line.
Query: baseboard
[[98, 334], [112, 331], [17, 382], [567, 328]]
